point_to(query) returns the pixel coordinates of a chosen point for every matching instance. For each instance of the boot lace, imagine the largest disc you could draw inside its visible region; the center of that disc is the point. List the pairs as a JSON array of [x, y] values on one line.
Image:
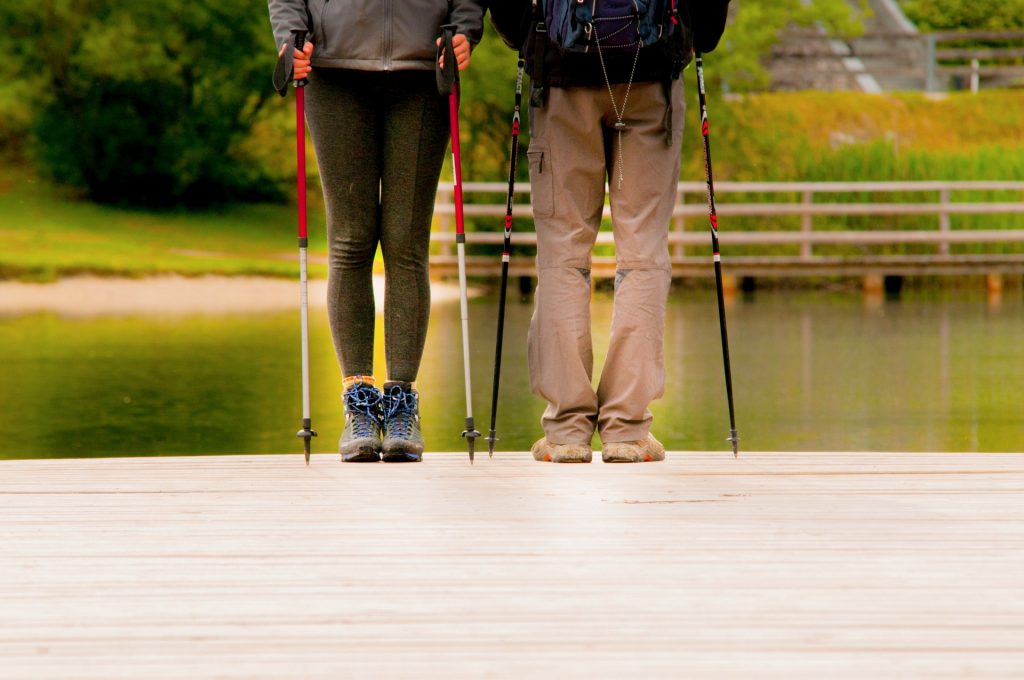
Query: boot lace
[[400, 409], [362, 403]]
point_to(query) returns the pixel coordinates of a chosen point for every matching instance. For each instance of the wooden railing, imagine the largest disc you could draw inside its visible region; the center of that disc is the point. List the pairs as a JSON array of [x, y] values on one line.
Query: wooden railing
[[809, 247], [951, 53], [977, 57]]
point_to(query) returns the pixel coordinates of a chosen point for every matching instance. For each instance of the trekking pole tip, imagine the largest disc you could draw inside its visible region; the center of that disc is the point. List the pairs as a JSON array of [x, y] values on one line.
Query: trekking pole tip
[[491, 439], [306, 433], [470, 434], [734, 438]]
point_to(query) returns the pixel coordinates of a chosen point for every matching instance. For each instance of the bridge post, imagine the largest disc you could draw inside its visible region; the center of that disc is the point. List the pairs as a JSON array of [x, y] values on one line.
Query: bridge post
[[806, 224], [944, 225]]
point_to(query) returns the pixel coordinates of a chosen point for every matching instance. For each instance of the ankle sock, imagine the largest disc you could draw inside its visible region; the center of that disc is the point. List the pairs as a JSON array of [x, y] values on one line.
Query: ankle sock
[[353, 379]]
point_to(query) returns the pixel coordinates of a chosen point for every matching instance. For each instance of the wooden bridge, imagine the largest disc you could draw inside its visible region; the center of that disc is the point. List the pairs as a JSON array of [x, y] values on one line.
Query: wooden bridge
[[775, 565], [811, 244]]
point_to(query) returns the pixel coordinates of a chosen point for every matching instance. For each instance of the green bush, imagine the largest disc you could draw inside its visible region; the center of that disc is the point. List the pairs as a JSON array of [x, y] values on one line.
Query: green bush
[[150, 103], [993, 15]]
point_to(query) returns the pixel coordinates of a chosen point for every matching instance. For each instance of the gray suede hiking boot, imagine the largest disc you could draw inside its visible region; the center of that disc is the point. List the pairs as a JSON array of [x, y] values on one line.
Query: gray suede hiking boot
[[544, 450], [403, 439], [360, 439], [642, 451]]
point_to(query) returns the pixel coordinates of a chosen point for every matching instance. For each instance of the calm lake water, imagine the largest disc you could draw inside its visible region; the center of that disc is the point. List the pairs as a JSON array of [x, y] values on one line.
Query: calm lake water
[[935, 371]]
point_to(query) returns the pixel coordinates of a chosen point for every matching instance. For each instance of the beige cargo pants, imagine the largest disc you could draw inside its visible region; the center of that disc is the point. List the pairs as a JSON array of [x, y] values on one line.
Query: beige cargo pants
[[574, 150]]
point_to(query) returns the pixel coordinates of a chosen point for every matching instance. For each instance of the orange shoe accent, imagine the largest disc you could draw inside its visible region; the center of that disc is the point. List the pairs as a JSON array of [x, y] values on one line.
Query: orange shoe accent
[[547, 457], [353, 379]]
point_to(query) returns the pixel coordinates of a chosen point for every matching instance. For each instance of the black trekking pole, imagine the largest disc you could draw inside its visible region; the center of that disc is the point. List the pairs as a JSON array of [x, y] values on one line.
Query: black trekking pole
[[282, 76], [713, 215], [448, 84], [506, 253]]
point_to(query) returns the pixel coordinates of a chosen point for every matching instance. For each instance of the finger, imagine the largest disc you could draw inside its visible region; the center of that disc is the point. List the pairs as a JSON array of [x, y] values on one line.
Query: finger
[[308, 49], [463, 56]]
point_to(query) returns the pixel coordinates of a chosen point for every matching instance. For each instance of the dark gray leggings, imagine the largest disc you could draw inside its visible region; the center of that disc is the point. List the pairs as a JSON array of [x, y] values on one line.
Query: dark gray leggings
[[380, 140]]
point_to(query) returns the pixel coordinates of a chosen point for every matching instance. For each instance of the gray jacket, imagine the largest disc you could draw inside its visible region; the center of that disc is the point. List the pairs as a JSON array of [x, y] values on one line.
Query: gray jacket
[[375, 35]]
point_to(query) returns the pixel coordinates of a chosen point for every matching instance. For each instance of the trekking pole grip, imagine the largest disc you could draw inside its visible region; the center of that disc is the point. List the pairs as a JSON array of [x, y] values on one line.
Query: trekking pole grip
[[300, 42], [449, 75]]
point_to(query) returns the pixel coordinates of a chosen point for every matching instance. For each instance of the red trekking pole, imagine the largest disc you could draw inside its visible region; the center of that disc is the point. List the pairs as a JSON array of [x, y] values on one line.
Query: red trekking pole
[[282, 75], [448, 84]]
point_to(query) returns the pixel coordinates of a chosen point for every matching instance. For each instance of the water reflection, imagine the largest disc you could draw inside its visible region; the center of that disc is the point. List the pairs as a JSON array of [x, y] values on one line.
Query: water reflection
[[812, 371]]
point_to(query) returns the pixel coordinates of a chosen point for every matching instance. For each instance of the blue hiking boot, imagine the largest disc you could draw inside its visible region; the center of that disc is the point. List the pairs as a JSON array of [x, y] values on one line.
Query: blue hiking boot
[[360, 440], [403, 440]]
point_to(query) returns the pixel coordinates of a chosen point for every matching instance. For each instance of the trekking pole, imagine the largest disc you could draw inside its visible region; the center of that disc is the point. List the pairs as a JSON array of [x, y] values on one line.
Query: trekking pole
[[448, 83], [283, 74], [713, 215], [506, 254]]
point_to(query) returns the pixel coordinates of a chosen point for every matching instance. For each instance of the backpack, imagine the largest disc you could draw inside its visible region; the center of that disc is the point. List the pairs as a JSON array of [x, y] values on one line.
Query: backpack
[[585, 25]]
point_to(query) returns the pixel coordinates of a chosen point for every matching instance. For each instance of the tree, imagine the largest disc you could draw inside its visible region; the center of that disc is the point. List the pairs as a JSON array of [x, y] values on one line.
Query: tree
[[146, 102], [992, 15]]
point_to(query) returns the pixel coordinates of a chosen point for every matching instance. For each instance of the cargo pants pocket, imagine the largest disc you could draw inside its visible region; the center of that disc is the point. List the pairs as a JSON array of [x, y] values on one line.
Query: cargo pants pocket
[[541, 182]]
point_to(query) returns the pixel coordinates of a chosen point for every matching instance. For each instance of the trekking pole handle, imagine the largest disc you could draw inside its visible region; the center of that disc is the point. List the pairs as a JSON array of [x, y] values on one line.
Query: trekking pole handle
[[300, 42], [448, 76]]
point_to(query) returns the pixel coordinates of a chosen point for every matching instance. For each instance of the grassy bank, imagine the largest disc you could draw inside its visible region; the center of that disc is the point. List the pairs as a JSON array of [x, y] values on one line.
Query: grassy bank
[[853, 136], [47, 232]]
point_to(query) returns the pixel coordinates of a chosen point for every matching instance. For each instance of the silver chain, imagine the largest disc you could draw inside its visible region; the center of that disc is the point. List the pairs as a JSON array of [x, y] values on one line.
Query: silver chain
[[619, 125]]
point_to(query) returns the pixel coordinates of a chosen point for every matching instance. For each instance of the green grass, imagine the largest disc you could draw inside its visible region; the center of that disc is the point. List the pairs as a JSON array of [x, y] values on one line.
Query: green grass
[[46, 232]]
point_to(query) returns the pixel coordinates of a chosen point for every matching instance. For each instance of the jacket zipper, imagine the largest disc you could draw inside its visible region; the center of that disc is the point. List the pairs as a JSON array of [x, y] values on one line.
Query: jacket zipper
[[323, 31]]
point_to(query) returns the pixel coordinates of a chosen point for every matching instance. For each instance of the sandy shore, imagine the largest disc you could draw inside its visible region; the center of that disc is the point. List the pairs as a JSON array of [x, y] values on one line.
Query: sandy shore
[[93, 296]]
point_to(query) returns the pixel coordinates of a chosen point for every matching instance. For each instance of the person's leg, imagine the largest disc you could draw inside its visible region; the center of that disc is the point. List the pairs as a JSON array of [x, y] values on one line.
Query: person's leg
[[567, 174], [342, 120], [634, 371], [342, 117], [415, 136]]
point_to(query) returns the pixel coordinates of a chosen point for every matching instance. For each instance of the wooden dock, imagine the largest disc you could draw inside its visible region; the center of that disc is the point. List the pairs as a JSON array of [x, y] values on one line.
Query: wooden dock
[[857, 565]]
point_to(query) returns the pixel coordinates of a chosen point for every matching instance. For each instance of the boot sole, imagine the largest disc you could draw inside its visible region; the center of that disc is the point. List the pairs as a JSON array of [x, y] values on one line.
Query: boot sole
[[548, 458], [396, 450], [401, 457], [361, 457], [637, 459], [361, 451]]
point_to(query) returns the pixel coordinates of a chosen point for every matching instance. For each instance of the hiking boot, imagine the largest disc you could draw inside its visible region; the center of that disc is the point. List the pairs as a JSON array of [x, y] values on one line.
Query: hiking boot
[[560, 453], [360, 440], [642, 451], [403, 439]]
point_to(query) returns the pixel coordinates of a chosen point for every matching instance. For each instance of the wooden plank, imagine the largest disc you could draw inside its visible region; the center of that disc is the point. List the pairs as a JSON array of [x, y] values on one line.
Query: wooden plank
[[774, 565], [500, 188], [773, 266], [700, 238], [979, 53], [781, 209]]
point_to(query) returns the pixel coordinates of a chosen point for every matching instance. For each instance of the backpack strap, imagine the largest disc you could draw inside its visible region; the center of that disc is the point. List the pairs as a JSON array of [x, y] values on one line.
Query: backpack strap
[[538, 77]]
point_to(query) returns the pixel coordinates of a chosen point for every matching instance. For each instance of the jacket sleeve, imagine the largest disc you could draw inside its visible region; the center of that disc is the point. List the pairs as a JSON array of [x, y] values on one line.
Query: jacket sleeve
[[286, 16], [707, 23], [468, 15], [511, 19]]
